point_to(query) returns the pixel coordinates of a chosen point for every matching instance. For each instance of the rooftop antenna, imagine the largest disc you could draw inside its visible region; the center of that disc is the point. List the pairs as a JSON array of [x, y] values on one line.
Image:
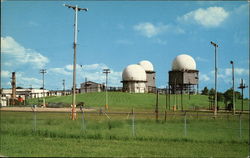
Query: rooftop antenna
[[76, 9]]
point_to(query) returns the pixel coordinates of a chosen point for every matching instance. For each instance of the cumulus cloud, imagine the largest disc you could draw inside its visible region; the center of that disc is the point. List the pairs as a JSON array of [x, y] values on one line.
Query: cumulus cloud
[[201, 59], [61, 71], [93, 72], [20, 54], [210, 17], [5, 74], [149, 30], [204, 77], [237, 71]]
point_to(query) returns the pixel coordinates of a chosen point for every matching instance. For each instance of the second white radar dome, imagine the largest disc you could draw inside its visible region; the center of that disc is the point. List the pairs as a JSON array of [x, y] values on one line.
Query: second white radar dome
[[183, 62]]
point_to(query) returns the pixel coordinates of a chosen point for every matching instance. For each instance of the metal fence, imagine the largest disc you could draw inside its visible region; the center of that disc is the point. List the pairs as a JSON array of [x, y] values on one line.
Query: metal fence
[[138, 124]]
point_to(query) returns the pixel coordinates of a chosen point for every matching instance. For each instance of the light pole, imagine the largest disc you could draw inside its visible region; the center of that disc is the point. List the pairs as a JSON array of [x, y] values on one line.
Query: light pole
[[76, 9], [215, 77], [43, 71], [63, 86], [231, 62], [106, 71]]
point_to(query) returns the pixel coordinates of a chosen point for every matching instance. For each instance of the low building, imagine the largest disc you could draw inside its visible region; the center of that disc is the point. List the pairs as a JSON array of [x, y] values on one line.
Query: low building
[[21, 94], [90, 86]]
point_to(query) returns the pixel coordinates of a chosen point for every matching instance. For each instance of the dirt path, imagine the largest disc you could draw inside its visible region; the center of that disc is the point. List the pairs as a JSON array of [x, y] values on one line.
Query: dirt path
[[42, 109]]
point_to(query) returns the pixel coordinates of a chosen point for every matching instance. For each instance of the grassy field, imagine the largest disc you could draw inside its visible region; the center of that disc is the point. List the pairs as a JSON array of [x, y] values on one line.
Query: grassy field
[[125, 101], [54, 134]]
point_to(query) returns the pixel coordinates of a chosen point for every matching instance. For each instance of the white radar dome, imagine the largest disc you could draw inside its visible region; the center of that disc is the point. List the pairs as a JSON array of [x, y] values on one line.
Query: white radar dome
[[183, 62], [134, 72], [147, 65]]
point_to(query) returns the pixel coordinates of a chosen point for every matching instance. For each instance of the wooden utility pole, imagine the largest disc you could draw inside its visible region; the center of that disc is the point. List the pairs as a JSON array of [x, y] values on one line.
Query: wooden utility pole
[[43, 71], [242, 87], [106, 71], [76, 9], [13, 84], [156, 106]]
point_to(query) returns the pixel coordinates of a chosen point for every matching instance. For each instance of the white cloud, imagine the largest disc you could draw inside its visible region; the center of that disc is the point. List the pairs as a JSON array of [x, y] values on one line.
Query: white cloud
[[59, 71], [210, 17], [149, 30], [21, 55], [160, 41], [237, 71], [204, 77], [93, 72], [5, 74], [201, 59], [243, 9]]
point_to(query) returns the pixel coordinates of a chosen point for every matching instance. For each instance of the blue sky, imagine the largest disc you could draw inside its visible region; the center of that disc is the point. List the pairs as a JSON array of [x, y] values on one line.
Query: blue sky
[[114, 34]]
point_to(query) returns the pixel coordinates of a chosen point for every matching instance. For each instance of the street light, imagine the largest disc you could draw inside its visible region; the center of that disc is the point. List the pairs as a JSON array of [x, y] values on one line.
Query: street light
[[106, 71], [215, 77], [76, 9], [231, 62]]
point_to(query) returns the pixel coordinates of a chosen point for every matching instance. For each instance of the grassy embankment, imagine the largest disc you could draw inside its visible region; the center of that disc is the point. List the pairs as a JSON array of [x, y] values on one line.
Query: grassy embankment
[[125, 101], [57, 135]]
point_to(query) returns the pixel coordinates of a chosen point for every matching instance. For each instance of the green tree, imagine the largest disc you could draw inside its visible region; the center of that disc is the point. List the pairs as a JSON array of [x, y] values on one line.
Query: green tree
[[228, 95], [205, 91]]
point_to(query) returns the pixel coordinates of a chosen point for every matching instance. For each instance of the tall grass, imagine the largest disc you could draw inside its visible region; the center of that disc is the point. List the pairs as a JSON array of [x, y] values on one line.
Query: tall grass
[[100, 133]]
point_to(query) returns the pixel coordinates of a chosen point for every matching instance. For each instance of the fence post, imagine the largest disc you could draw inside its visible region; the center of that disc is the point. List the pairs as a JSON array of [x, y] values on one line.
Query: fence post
[[133, 122], [34, 117], [240, 126], [185, 124], [165, 115], [83, 125], [156, 106]]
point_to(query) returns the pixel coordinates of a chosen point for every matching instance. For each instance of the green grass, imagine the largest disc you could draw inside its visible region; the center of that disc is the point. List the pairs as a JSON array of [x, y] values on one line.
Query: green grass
[[125, 101], [57, 135]]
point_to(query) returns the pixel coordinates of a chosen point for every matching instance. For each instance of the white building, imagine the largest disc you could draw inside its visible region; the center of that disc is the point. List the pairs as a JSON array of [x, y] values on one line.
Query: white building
[[134, 79], [150, 74], [24, 93]]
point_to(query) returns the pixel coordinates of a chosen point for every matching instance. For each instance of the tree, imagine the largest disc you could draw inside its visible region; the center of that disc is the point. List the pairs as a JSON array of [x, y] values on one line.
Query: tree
[[211, 92], [228, 95], [220, 96], [205, 91]]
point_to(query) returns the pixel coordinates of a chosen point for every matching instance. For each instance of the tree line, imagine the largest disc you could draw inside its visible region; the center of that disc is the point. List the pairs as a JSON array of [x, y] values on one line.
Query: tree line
[[226, 97]]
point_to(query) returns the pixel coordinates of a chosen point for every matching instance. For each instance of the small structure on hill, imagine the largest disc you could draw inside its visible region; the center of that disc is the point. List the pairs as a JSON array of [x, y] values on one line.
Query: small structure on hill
[[184, 75], [150, 75], [90, 86], [134, 79]]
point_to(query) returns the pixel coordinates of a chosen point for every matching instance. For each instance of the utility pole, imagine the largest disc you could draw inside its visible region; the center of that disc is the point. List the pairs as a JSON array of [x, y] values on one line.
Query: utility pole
[[242, 87], [231, 62], [106, 71], [13, 84], [43, 71], [215, 77], [63, 86], [76, 9]]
